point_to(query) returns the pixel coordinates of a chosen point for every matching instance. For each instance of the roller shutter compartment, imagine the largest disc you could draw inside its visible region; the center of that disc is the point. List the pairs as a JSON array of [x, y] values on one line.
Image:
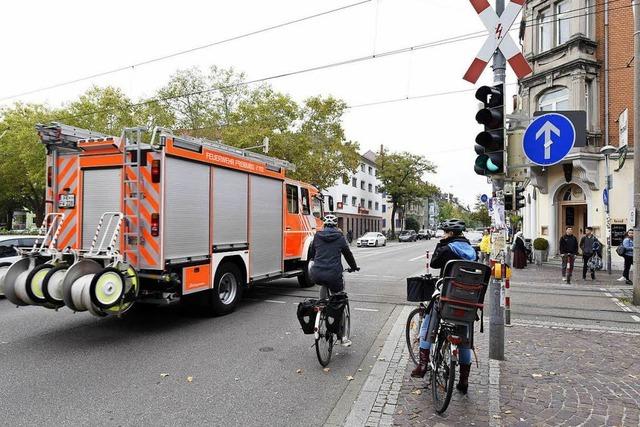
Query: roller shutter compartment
[[186, 209], [101, 192], [266, 226], [230, 198]]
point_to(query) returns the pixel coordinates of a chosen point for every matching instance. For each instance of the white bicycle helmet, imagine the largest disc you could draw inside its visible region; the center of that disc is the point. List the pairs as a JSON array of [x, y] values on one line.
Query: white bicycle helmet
[[330, 220]]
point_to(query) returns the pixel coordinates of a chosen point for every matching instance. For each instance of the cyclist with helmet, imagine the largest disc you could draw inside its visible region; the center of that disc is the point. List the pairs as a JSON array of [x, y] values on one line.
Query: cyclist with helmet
[[326, 251], [454, 246]]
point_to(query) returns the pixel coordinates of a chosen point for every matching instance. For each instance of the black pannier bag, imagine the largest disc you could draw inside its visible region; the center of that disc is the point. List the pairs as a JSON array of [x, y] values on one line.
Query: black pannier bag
[[307, 315], [334, 310], [420, 288], [464, 287]]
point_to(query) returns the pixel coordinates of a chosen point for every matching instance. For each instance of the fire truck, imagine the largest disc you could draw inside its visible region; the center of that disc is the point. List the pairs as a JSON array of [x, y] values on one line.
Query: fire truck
[[152, 217]]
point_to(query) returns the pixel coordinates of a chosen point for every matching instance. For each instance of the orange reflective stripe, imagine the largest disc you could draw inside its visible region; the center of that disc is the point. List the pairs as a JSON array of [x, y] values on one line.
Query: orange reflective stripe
[[147, 256], [66, 167]]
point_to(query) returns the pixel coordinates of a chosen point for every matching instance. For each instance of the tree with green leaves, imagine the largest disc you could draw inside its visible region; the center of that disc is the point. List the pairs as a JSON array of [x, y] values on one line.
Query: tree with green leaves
[[402, 179]]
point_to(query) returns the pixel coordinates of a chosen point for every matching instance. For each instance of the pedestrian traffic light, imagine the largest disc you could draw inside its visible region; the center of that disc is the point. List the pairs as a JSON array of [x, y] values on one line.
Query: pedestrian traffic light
[[508, 202], [519, 198], [490, 143]]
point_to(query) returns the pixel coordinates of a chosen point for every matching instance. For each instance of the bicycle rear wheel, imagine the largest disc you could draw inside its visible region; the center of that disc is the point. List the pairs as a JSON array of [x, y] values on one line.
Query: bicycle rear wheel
[[324, 343], [443, 375], [412, 333], [346, 323]]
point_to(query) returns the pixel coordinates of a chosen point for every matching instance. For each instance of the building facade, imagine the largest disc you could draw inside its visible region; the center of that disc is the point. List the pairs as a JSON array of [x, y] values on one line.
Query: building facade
[[358, 200], [581, 53]]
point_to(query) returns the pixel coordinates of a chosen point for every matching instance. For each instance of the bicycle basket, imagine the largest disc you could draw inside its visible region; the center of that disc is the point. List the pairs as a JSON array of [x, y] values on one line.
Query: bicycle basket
[[420, 288], [334, 310], [307, 315]]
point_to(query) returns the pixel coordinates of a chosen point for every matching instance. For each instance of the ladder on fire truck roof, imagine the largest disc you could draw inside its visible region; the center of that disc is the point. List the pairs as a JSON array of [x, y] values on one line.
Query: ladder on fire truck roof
[[191, 143], [65, 137], [132, 158]]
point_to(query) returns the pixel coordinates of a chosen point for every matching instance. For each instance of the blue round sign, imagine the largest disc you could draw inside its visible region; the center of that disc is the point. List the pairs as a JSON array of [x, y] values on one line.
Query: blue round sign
[[484, 198], [548, 139]]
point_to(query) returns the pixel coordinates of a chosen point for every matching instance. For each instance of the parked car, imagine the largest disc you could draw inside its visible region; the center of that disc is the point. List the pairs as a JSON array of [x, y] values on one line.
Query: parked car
[[474, 237], [9, 253], [372, 238], [424, 234], [439, 234], [408, 236]]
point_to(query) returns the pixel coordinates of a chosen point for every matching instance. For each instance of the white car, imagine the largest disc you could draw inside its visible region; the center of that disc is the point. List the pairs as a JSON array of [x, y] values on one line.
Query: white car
[[372, 239], [8, 252]]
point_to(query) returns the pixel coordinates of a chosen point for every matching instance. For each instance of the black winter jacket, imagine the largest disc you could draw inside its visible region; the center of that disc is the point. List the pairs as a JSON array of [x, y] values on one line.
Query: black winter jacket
[[568, 244], [457, 247], [326, 250]]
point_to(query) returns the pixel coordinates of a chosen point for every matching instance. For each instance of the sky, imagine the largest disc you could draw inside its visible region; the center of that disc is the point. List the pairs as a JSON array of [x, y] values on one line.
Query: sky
[[51, 42]]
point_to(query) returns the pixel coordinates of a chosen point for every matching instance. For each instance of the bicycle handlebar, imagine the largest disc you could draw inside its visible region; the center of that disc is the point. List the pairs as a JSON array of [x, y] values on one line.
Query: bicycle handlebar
[[351, 270]]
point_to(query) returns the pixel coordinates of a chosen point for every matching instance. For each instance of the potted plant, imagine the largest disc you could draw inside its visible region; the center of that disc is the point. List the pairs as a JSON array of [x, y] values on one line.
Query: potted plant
[[541, 248]]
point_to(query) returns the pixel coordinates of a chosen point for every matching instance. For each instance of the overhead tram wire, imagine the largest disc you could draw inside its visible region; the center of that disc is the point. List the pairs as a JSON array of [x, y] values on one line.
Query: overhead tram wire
[[389, 53], [186, 51]]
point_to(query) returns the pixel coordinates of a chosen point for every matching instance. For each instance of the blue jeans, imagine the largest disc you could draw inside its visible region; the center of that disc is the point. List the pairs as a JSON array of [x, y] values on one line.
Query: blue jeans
[[425, 336]]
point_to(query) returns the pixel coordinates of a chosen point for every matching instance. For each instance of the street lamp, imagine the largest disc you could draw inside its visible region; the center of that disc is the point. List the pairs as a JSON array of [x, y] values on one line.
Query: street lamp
[[607, 151]]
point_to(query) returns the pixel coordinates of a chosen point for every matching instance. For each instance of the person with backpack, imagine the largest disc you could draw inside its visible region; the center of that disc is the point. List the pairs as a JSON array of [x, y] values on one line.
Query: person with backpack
[[454, 246], [626, 251], [568, 250], [589, 245]]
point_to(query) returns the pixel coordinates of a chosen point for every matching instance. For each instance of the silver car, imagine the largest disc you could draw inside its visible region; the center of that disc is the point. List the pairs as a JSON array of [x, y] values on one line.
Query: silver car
[[372, 238], [9, 253]]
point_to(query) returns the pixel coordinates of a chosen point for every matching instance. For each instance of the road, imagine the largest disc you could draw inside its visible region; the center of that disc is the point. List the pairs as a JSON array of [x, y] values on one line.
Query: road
[[252, 367]]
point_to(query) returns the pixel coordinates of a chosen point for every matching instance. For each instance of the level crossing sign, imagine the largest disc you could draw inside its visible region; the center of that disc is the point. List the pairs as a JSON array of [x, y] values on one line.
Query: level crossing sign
[[548, 139], [498, 38]]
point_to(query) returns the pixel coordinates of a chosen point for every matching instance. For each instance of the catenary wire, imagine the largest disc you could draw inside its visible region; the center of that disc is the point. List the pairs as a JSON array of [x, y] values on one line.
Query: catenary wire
[[186, 51]]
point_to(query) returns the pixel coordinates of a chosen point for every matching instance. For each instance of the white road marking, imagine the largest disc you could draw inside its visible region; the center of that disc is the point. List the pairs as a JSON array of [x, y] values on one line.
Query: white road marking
[[275, 302], [636, 318], [418, 257], [374, 310], [608, 294]]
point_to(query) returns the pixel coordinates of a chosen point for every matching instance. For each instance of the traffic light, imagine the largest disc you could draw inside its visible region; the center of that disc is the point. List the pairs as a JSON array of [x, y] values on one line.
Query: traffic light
[[508, 202], [518, 198], [490, 143]]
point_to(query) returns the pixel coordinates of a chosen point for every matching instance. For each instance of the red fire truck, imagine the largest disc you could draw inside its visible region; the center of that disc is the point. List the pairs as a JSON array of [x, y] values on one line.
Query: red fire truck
[[153, 217]]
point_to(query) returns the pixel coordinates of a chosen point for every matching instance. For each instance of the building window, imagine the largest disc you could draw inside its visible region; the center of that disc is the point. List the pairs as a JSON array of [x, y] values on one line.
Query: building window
[[354, 201], [370, 170], [545, 24], [370, 188], [377, 206], [362, 185], [370, 205], [554, 100], [354, 182], [362, 203], [563, 24], [589, 17], [345, 199], [384, 223], [362, 167], [384, 208]]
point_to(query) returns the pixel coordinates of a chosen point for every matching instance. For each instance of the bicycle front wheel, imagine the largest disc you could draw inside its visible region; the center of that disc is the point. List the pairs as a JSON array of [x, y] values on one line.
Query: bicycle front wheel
[[412, 332], [324, 343], [443, 375]]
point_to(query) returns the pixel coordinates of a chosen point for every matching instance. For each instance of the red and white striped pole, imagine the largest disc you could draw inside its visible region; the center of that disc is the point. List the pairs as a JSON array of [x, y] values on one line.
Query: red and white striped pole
[[427, 257], [507, 301]]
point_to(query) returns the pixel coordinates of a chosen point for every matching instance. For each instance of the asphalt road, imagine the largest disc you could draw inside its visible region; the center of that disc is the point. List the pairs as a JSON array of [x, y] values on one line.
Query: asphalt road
[[252, 367]]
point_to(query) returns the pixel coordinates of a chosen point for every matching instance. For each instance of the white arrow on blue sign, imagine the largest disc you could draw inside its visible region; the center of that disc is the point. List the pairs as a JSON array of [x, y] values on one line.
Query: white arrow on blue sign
[[548, 139]]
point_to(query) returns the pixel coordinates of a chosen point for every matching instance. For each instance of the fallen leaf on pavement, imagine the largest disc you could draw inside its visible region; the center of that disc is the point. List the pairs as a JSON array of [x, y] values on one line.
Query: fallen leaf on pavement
[[497, 417], [164, 375], [327, 369], [633, 376], [299, 371], [507, 411], [552, 373], [417, 392], [349, 378], [359, 370], [382, 359], [190, 379], [536, 375]]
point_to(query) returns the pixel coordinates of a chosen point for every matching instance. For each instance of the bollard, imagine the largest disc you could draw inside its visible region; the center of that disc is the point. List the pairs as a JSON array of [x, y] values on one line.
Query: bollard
[[496, 322], [427, 258]]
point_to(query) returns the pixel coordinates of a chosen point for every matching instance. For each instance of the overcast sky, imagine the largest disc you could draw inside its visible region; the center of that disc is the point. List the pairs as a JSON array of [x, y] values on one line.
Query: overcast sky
[[47, 42]]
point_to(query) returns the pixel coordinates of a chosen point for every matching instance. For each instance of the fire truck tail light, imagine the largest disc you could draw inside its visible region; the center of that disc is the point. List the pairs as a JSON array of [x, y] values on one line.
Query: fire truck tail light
[[49, 175], [155, 171], [155, 224]]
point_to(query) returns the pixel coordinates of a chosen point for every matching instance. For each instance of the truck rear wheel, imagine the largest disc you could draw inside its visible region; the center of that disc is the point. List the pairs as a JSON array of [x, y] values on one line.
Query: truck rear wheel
[[227, 289], [304, 280]]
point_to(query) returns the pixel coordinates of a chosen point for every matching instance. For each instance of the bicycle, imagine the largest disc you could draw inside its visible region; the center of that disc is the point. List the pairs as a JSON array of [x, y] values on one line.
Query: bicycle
[[413, 325], [325, 328]]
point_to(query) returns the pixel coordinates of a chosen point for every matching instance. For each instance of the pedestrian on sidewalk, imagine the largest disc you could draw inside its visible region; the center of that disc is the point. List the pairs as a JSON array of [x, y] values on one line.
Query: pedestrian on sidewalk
[[519, 251], [587, 244], [568, 250], [485, 247], [627, 244]]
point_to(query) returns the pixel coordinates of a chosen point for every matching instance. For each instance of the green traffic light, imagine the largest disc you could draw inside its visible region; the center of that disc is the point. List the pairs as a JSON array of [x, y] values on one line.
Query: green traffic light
[[491, 167]]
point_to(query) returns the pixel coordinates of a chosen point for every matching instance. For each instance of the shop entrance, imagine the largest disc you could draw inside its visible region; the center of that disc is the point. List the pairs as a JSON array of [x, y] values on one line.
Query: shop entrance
[[573, 211]]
